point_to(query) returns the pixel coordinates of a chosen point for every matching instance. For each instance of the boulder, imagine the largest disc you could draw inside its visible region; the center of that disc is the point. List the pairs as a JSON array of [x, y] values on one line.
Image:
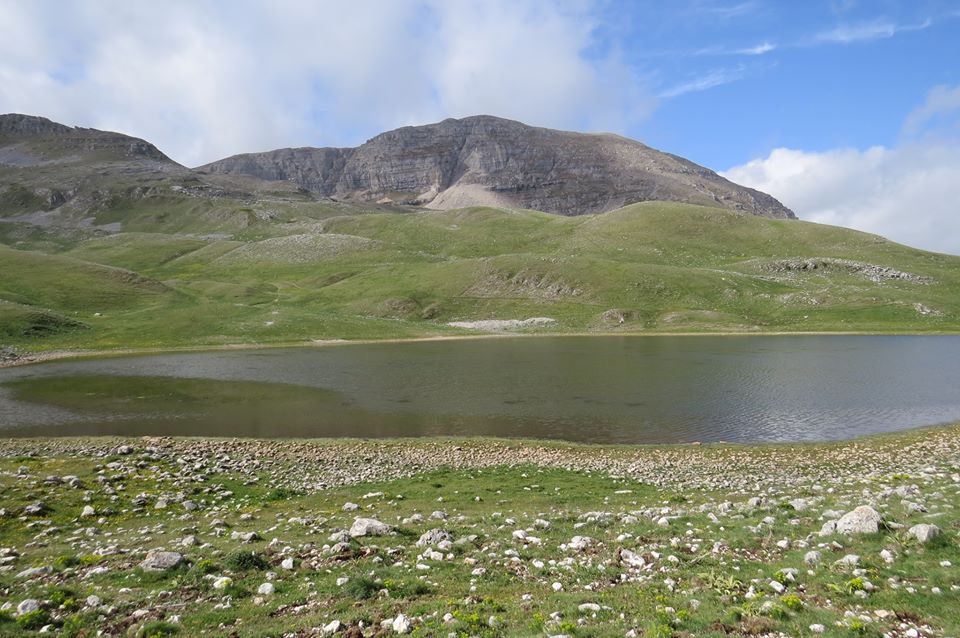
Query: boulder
[[369, 527], [157, 561], [432, 537], [862, 520], [924, 532]]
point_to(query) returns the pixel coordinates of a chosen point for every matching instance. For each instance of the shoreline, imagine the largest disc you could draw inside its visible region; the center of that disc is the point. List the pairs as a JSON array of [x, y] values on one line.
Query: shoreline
[[33, 358]]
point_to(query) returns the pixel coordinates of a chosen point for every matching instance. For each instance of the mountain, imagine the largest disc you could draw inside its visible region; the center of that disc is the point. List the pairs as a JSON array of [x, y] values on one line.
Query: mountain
[[61, 178], [491, 161], [105, 242], [27, 141]]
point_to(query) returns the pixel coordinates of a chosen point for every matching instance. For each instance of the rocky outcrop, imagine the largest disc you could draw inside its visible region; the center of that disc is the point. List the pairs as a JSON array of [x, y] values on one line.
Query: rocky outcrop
[[486, 160], [27, 140]]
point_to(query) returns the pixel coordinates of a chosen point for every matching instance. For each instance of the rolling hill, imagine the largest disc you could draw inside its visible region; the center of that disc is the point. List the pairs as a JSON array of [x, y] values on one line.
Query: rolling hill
[[143, 252]]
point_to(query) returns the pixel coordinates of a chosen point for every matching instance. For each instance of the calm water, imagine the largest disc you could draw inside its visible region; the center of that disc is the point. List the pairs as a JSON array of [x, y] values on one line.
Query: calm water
[[597, 389]]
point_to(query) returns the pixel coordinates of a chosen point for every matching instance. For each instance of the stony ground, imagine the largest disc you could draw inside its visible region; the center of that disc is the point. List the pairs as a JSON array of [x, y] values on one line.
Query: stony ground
[[158, 537]]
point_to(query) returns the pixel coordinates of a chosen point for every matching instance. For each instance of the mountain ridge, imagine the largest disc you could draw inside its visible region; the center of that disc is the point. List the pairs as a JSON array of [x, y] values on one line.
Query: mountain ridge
[[40, 140], [487, 160]]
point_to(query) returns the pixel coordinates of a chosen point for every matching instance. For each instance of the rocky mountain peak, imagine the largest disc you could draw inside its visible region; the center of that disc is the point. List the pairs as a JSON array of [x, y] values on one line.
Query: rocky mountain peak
[[487, 160]]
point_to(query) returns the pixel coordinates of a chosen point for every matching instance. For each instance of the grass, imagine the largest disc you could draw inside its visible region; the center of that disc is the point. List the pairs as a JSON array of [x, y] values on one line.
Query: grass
[[208, 272], [695, 588]]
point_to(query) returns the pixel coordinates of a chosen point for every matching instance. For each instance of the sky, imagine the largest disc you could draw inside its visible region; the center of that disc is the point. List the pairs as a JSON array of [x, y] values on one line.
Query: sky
[[848, 111]]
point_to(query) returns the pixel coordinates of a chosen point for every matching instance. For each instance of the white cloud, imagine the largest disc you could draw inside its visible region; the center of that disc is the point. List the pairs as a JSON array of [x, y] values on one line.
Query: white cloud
[[760, 49], [208, 79], [709, 80], [907, 194], [941, 101], [866, 31]]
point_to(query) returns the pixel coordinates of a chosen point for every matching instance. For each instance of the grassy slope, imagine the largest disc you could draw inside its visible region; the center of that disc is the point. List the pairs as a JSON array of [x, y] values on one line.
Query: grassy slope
[[238, 272]]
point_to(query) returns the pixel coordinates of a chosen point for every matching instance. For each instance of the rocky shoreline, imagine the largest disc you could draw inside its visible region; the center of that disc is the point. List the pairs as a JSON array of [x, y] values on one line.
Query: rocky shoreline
[[441, 537], [326, 463]]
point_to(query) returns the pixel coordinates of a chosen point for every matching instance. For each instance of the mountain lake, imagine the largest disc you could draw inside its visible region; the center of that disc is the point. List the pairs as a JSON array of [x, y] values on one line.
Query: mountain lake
[[610, 389]]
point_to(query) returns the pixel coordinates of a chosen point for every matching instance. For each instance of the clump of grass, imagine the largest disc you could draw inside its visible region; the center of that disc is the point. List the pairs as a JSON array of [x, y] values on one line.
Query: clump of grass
[[246, 561], [362, 588], [33, 619], [205, 566], [792, 602], [157, 629], [280, 494]]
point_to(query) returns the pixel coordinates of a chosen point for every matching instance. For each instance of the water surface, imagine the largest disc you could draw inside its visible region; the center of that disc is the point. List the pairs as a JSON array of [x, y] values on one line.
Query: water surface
[[595, 389]]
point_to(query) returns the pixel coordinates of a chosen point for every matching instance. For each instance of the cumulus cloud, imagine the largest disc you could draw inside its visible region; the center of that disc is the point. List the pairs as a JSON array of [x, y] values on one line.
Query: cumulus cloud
[[208, 79], [907, 193]]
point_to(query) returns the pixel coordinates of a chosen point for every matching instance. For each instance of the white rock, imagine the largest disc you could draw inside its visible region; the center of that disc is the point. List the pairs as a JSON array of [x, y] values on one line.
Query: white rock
[[401, 624], [369, 527], [924, 532], [266, 589], [287, 563], [433, 537], [631, 559], [332, 627], [580, 543], [223, 582], [812, 557], [88, 511], [27, 606], [157, 561], [350, 507], [862, 520], [817, 628]]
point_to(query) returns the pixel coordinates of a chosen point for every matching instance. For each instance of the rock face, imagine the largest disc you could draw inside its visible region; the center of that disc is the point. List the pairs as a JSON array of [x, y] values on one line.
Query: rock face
[[486, 160]]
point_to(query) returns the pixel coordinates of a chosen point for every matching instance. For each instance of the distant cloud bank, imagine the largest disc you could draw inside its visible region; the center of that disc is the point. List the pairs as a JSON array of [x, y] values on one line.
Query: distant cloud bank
[[910, 193]]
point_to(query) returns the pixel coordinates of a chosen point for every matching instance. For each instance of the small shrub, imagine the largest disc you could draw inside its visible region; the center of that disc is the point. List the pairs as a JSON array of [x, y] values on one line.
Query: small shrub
[[246, 561], [792, 602], [206, 566], [855, 584], [157, 629], [280, 494], [33, 619], [61, 563]]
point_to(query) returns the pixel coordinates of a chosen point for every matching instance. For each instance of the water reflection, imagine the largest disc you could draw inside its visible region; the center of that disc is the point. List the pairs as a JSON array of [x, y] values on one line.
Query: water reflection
[[611, 390]]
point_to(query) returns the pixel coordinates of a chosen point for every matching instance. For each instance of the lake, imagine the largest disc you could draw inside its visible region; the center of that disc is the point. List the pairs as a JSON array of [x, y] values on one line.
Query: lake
[[593, 389]]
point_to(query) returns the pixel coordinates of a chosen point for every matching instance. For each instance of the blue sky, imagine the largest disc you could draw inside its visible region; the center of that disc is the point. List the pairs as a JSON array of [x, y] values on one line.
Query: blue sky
[[847, 110], [813, 75]]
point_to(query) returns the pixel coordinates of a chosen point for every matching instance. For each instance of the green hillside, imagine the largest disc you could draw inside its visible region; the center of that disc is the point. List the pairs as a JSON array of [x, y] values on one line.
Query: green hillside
[[212, 272]]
